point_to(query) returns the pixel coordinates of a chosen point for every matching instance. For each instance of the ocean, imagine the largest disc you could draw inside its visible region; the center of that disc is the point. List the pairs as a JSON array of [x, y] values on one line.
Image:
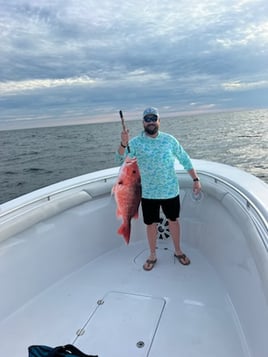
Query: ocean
[[34, 158]]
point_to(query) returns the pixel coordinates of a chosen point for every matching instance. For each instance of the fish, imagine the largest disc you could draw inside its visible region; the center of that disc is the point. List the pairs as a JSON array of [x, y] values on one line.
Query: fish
[[127, 193]]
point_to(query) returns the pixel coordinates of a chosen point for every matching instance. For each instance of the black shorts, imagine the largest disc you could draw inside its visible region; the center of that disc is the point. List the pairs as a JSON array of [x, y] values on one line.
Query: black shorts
[[151, 209]]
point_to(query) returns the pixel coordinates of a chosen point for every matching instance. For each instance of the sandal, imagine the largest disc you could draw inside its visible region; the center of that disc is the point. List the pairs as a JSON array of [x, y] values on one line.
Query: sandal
[[183, 259], [149, 264]]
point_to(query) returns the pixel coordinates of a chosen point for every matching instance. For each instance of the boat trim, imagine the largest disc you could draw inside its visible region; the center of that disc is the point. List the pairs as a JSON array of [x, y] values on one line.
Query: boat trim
[[108, 176]]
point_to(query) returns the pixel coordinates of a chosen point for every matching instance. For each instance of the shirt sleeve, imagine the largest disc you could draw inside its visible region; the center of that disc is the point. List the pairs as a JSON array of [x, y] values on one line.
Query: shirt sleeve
[[130, 152], [119, 159], [182, 156]]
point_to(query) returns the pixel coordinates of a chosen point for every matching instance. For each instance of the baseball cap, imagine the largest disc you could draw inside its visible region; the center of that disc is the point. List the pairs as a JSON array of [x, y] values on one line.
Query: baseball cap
[[151, 110]]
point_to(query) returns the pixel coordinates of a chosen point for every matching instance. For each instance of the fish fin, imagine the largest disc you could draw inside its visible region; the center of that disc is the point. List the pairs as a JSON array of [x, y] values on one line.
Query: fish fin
[[113, 190], [136, 215], [124, 230], [118, 212]]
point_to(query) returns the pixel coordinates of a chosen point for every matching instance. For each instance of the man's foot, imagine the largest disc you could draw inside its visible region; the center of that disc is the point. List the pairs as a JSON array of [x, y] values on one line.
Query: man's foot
[[182, 258], [149, 264]]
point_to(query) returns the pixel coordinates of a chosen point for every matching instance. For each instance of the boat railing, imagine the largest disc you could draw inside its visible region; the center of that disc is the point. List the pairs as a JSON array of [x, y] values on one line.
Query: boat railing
[[86, 187], [57, 191], [249, 205]]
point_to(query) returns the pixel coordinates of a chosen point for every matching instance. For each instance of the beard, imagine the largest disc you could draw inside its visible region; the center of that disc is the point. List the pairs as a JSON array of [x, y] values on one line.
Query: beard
[[151, 129]]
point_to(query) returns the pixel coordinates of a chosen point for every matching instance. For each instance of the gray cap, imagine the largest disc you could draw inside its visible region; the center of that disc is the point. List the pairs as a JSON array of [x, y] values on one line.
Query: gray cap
[[151, 110]]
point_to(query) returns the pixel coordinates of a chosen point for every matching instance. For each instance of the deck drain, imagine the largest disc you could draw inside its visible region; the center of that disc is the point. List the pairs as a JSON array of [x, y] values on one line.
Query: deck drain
[[140, 344]]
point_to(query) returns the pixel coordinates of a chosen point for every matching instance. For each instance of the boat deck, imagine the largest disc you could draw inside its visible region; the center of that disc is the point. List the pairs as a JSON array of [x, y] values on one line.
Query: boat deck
[[173, 310]]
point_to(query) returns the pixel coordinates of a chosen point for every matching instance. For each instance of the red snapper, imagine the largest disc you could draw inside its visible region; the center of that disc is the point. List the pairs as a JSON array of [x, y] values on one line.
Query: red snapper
[[127, 192]]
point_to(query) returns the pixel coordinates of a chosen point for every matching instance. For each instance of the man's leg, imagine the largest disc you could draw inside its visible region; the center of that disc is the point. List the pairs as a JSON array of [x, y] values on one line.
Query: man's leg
[[174, 228], [151, 236], [150, 210]]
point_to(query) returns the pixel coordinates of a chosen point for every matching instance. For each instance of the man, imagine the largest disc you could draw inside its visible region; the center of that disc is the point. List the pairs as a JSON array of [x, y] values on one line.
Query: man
[[156, 152]]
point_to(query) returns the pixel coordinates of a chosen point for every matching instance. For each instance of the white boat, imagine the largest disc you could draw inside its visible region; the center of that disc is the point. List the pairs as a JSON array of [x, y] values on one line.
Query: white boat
[[67, 277]]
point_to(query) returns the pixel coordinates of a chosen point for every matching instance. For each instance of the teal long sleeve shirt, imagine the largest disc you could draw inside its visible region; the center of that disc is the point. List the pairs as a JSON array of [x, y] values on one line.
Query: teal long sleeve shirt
[[156, 158]]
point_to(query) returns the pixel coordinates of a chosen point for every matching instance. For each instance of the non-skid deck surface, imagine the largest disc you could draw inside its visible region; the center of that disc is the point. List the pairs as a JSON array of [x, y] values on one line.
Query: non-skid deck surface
[[113, 308]]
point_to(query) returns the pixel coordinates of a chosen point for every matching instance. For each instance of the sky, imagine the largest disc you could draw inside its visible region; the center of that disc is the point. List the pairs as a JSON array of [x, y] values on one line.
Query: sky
[[81, 61]]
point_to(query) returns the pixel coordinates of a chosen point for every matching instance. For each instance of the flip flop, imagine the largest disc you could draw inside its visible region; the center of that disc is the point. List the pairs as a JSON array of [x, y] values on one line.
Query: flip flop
[[183, 259], [149, 264]]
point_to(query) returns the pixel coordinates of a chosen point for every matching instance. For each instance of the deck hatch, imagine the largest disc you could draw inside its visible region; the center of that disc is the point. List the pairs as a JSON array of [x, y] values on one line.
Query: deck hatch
[[123, 325]]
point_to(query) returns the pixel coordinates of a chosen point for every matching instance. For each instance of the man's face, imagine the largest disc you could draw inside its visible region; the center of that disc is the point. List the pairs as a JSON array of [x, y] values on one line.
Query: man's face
[[151, 124]]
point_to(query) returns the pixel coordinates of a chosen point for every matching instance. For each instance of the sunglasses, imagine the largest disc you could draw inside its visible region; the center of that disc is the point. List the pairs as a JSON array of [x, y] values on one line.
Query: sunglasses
[[150, 118]]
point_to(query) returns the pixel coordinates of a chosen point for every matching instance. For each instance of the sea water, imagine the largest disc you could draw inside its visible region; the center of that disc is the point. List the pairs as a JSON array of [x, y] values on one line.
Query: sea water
[[34, 158]]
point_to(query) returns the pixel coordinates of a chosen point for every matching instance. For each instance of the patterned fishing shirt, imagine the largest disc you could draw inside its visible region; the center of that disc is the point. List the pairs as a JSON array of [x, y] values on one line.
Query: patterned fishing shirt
[[156, 158]]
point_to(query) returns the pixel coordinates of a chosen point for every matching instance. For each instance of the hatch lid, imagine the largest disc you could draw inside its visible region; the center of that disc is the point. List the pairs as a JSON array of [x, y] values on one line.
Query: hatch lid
[[122, 324]]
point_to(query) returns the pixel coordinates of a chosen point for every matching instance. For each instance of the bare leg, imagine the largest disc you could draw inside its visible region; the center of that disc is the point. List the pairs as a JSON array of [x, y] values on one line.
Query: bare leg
[[151, 236], [174, 227]]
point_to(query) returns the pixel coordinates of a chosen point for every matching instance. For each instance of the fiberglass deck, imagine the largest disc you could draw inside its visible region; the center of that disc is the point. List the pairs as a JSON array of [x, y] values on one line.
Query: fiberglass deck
[[113, 308]]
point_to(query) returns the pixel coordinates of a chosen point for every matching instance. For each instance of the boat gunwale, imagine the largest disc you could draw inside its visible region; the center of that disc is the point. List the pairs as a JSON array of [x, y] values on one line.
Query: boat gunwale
[[77, 184], [105, 178]]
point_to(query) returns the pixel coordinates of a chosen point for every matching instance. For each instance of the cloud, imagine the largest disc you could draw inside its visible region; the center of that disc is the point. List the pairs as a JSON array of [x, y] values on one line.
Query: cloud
[[60, 57], [14, 87], [240, 86]]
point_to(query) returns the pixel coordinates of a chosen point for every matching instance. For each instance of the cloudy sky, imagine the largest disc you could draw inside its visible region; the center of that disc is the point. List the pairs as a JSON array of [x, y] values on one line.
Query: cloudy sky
[[65, 61]]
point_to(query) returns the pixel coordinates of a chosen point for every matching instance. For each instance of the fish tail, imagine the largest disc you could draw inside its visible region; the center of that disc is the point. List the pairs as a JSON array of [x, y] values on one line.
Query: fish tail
[[124, 230]]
